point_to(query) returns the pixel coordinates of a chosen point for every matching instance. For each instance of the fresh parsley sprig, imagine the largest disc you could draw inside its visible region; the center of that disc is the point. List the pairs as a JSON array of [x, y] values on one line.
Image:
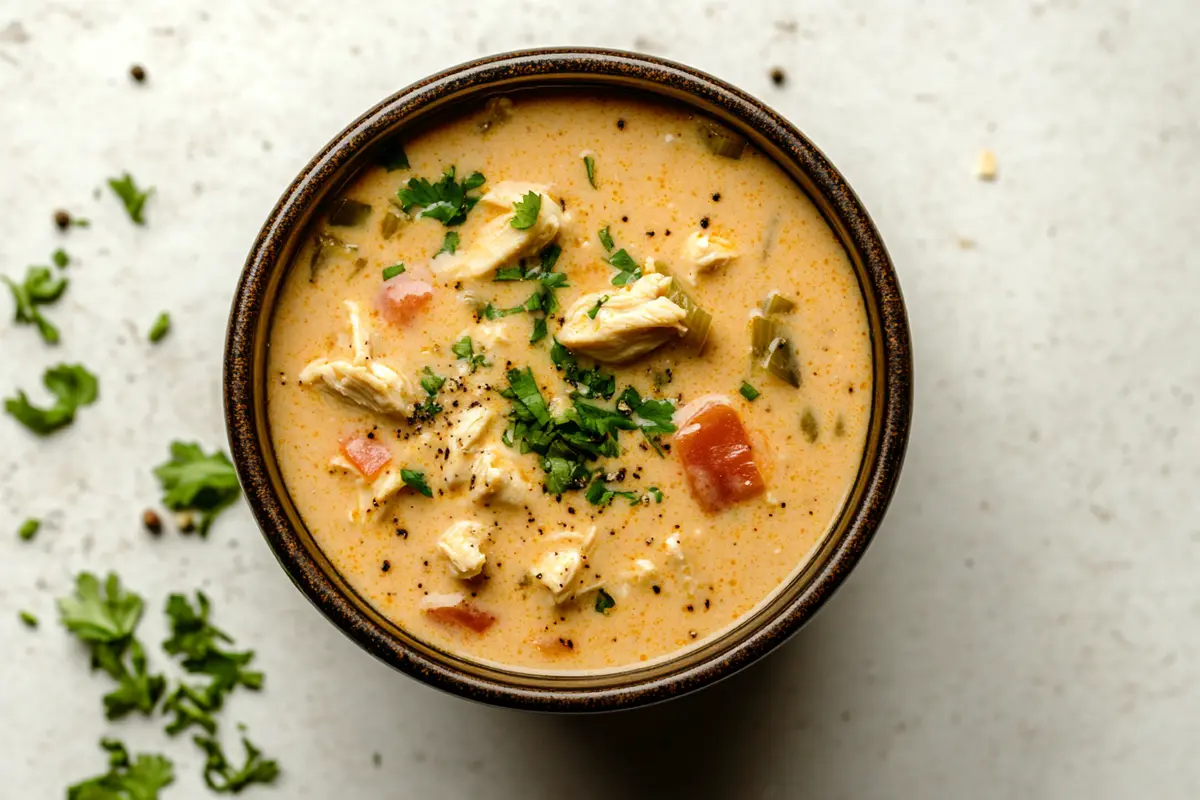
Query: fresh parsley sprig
[[195, 482], [131, 196], [72, 387], [39, 288], [140, 778], [448, 201]]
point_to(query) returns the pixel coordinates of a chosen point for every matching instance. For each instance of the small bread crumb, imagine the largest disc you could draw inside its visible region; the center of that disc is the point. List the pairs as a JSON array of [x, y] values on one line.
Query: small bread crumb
[[985, 166]]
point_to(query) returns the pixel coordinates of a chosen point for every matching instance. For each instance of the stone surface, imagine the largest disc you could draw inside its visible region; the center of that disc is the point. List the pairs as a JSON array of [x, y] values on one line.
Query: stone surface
[[1028, 622]]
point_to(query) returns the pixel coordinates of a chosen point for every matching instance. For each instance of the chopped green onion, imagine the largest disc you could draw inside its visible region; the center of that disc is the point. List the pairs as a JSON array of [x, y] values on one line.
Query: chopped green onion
[[749, 392], [160, 328], [594, 310], [392, 271], [60, 258], [28, 619], [589, 164], [606, 239], [29, 529]]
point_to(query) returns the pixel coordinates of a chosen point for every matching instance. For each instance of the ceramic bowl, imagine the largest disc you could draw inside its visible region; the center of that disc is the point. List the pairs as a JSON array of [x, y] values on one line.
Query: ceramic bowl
[[468, 85]]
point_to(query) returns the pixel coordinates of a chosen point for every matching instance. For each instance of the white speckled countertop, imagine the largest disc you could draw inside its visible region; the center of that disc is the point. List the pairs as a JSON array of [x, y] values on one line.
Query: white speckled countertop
[[1027, 623]]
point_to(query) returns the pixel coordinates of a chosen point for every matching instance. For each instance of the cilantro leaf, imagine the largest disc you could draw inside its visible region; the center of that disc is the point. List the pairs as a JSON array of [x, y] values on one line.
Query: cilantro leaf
[[628, 270], [592, 382], [415, 479], [464, 350], [589, 164], [40, 287], [29, 529], [139, 779], [431, 382], [200, 644], [193, 481], [606, 239], [223, 778], [526, 210], [525, 391], [604, 601], [133, 198], [539, 330], [392, 156], [104, 619], [450, 243], [447, 201], [71, 385], [160, 328], [594, 310], [192, 705], [598, 494]]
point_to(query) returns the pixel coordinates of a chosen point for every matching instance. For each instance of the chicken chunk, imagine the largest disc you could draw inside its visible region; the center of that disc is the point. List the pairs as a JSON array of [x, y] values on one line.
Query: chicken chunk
[[464, 443], [498, 242], [462, 544], [362, 381], [374, 493], [704, 252], [631, 322], [496, 478], [559, 566]]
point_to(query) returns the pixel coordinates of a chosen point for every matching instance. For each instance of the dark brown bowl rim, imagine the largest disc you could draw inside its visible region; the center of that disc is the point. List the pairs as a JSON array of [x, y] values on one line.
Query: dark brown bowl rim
[[578, 66]]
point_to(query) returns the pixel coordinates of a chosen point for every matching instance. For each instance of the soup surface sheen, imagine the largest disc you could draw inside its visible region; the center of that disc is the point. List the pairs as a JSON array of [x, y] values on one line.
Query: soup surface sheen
[[581, 580]]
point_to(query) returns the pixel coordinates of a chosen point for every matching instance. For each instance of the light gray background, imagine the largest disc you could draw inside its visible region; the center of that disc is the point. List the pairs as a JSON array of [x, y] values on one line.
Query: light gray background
[[1024, 626]]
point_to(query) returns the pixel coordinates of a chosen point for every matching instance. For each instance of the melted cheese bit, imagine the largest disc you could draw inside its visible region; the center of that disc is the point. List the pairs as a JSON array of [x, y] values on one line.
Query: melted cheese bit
[[558, 567]]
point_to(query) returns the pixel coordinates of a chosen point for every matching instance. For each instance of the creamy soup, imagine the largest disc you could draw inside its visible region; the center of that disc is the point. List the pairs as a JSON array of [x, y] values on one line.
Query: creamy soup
[[571, 382]]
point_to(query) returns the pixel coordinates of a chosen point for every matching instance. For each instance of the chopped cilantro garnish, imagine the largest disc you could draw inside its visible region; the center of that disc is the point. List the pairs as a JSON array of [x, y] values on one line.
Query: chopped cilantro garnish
[[392, 156], [450, 243], [749, 392], [589, 164], [104, 619], [539, 330], [160, 328], [447, 201], [652, 417], [223, 778], [525, 391], [604, 601], [464, 349], [600, 495], [594, 310], [431, 382], [606, 239], [628, 270], [656, 493], [27, 619], [139, 779], [392, 271], [415, 479], [133, 198], [39, 288], [60, 258], [592, 382], [193, 481], [29, 529], [200, 644], [72, 387], [525, 211]]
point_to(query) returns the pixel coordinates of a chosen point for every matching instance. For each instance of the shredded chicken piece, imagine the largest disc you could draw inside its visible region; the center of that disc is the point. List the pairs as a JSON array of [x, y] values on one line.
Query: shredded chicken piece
[[494, 476], [498, 242], [362, 381], [462, 543], [631, 322], [705, 252]]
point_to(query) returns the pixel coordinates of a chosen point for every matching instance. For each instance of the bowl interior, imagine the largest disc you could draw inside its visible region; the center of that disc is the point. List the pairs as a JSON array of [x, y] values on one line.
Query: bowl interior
[[422, 104]]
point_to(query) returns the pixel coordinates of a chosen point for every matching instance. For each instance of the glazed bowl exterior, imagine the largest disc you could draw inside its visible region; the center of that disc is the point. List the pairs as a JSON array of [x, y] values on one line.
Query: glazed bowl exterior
[[468, 85]]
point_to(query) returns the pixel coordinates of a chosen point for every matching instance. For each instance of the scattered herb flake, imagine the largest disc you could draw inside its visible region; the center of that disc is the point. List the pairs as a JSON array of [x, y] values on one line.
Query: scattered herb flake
[[525, 211], [223, 778], [464, 350], [40, 287], [628, 270], [71, 385], [749, 392], [592, 382], [604, 601], [606, 239], [139, 779], [29, 529], [415, 479], [808, 425], [431, 382], [27, 619], [598, 494], [200, 644], [160, 328], [450, 243], [392, 271], [193, 481], [133, 198], [589, 164], [392, 157], [594, 310], [447, 201], [656, 493], [539, 330], [60, 258]]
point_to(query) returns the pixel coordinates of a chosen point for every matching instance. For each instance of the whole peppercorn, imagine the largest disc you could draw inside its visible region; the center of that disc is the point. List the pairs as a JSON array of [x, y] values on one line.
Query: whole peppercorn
[[138, 73], [62, 219], [778, 76], [152, 521]]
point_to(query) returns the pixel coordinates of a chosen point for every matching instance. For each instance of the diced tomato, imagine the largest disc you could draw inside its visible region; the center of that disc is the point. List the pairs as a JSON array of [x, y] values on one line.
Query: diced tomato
[[367, 455], [716, 454], [402, 298], [463, 614], [554, 646]]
